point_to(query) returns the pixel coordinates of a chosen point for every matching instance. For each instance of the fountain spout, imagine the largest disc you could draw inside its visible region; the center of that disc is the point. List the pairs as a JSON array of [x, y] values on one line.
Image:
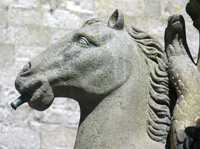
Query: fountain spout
[[19, 101]]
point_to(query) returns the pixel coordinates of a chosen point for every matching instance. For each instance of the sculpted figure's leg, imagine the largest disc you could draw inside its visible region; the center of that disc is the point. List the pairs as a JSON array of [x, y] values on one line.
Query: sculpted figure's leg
[[185, 78]]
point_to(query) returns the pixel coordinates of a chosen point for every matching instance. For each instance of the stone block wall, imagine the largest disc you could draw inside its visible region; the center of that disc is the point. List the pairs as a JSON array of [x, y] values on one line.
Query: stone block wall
[[28, 27]]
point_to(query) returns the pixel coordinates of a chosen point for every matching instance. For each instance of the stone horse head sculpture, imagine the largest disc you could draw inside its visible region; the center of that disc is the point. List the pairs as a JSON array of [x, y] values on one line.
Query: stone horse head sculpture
[[118, 76]]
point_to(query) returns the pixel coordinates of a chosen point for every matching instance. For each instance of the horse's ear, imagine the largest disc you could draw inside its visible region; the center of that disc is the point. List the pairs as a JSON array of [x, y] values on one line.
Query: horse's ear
[[116, 20]]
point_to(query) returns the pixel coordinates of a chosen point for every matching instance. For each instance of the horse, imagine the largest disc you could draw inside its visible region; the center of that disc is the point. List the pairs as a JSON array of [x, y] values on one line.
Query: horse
[[118, 75]]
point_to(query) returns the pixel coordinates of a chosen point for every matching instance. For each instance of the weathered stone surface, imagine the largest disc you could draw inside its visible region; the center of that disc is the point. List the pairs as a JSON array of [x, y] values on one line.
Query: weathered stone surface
[[21, 116], [152, 8], [25, 53], [16, 34], [61, 19], [24, 16], [179, 6], [3, 113], [0, 93], [20, 138], [28, 35], [3, 16], [7, 90], [8, 52], [25, 3], [80, 7], [57, 33], [5, 3], [3, 30], [60, 113], [57, 137], [106, 7], [38, 35]]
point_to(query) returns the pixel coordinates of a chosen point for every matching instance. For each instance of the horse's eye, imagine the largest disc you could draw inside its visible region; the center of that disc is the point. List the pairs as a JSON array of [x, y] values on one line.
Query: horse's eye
[[83, 41]]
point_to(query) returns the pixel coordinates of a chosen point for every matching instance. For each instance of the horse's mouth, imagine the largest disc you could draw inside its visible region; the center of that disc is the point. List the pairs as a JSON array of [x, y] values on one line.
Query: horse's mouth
[[35, 94], [40, 93]]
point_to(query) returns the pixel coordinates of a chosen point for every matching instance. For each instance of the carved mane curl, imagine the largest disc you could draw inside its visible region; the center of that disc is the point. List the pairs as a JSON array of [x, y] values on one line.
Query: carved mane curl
[[159, 116]]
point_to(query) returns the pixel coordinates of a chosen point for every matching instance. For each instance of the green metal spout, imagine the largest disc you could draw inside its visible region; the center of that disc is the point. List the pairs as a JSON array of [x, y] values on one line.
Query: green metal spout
[[19, 101]]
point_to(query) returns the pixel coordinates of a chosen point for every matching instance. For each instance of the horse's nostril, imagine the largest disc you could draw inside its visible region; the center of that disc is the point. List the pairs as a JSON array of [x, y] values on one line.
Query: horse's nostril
[[26, 69]]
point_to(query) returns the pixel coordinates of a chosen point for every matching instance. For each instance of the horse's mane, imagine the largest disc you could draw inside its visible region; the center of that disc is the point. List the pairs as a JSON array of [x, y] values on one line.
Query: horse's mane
[[159, 114], [160, 104]]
